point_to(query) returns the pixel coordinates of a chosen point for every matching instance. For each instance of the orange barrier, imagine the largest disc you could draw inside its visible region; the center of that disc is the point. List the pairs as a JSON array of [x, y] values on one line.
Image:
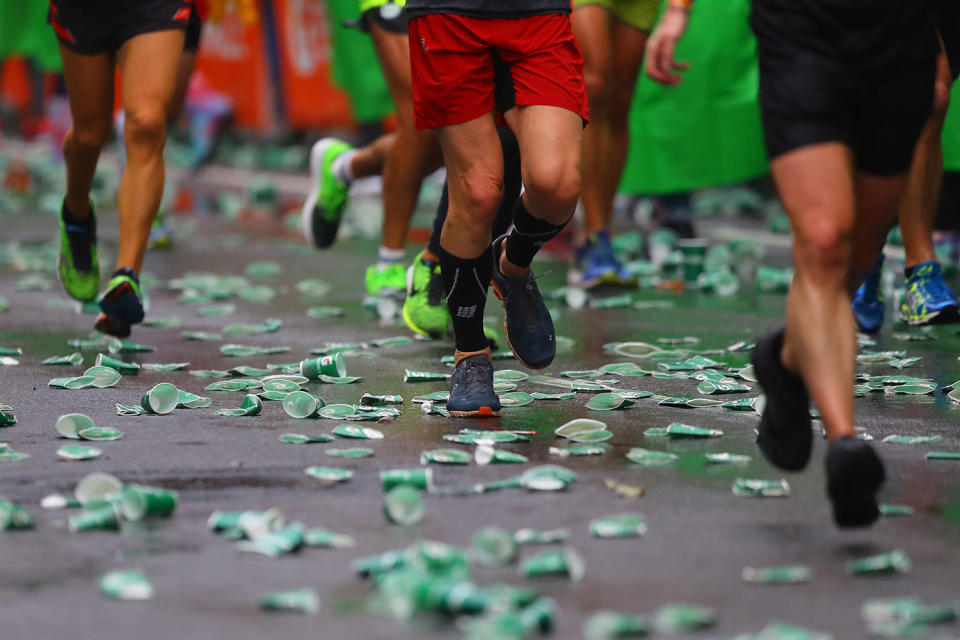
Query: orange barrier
[[233, 60], [303, 36]]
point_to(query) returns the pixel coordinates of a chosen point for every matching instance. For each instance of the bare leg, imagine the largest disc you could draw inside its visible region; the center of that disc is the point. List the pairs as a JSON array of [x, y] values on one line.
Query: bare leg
[[549, 139], [188, 61], [410, 155], [816, 185], [148, 64], [592, 27], [371, 159], [919, 207], [89, 81]]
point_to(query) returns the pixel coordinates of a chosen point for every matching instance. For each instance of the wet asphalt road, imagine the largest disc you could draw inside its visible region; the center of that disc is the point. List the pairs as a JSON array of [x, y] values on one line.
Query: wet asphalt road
[[700, 535]]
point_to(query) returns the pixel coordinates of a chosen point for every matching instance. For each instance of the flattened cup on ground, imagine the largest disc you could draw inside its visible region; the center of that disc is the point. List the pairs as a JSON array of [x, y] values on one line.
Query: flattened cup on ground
[[96, 486], [330, 365], [140, 501], [161, 399], [419, 478], [70, 425]]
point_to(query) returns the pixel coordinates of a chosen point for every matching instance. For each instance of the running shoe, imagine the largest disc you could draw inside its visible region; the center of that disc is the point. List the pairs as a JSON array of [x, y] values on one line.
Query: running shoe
[[854, 475], [600, 265], [390, 281], [121, 305], [928, 299], [323, 208], [868, 302], [425, 308], [528, 324], [160, 236], [785, 434], [471, 388], [77, 265]]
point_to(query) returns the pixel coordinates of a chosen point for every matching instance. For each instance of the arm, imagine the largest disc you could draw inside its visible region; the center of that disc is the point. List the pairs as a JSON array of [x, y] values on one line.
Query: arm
[[661, 65]]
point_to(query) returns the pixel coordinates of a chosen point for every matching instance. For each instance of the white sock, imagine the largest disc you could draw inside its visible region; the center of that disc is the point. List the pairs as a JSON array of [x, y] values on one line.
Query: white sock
[[389, 257], [341, 166]]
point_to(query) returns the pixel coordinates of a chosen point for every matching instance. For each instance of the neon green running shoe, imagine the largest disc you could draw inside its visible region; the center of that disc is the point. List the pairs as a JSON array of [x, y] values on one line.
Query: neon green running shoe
[[77, 265], [425, 309], [323, 208], [391, 281]]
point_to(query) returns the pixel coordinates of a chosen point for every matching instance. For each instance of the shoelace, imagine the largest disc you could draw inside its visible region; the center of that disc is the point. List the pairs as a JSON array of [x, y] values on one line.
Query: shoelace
[[475, 378], [531, 302], [80, 239]]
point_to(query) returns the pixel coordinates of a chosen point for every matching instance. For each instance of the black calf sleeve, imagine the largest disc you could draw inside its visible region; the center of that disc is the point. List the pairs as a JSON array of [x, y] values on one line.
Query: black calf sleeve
[[465, 284]]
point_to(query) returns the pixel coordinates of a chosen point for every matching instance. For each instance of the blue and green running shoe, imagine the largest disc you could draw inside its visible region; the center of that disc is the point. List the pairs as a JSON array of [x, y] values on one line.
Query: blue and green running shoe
[[868, 302], [121, 305], [323, 208], [928, 299], [77, 265]]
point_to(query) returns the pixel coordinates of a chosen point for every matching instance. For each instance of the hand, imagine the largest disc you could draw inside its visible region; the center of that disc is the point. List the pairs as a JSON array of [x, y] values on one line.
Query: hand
[[661, 65]]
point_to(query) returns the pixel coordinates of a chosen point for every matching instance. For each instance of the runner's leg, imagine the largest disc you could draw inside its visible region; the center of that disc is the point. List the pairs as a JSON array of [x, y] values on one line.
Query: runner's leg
[[148, 65]]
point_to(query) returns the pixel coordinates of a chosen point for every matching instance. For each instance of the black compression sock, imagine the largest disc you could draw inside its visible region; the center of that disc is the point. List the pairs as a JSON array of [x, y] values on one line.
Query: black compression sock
[[528, 235], [908, 271], [465, 282]]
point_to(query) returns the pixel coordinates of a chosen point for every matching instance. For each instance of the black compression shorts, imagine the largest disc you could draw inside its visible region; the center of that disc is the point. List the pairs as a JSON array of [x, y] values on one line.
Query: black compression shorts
[[812, 92], [91, 28]]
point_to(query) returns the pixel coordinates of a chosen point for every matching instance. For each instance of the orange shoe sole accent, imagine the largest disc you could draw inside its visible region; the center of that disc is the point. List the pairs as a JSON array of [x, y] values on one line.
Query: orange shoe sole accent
[[482, 412]]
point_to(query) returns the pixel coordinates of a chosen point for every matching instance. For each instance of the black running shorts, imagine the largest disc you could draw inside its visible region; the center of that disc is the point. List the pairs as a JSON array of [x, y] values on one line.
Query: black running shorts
[[91, 28], [948, 25], [822, 79], [194, 28]]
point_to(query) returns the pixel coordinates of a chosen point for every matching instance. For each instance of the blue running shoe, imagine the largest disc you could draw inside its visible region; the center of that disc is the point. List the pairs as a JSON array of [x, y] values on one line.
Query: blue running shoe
[[868, 303], [471, 389], [528, 324], [600, 264], [928, 299]]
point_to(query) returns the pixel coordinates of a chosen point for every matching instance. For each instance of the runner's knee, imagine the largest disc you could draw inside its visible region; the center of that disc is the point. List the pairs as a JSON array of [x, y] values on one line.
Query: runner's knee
[[145, 125], [553, 187], [91, 133], [823, 248]]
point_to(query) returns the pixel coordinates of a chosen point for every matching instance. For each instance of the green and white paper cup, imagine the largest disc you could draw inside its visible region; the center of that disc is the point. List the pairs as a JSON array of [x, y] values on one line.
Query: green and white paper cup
[[301, 404], [140, 501], [330, 365], [71, 424], [97, 486], [420, 478], [161, 399]]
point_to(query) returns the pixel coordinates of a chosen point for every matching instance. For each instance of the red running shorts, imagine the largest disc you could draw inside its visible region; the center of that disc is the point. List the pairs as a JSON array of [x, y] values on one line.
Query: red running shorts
[[452, 59]]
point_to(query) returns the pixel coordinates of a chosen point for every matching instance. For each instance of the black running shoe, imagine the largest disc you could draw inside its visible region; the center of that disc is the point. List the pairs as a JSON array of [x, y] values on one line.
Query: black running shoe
[[786, 437], [471, 388], [854, 475], [528, 324], [121, 304]]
